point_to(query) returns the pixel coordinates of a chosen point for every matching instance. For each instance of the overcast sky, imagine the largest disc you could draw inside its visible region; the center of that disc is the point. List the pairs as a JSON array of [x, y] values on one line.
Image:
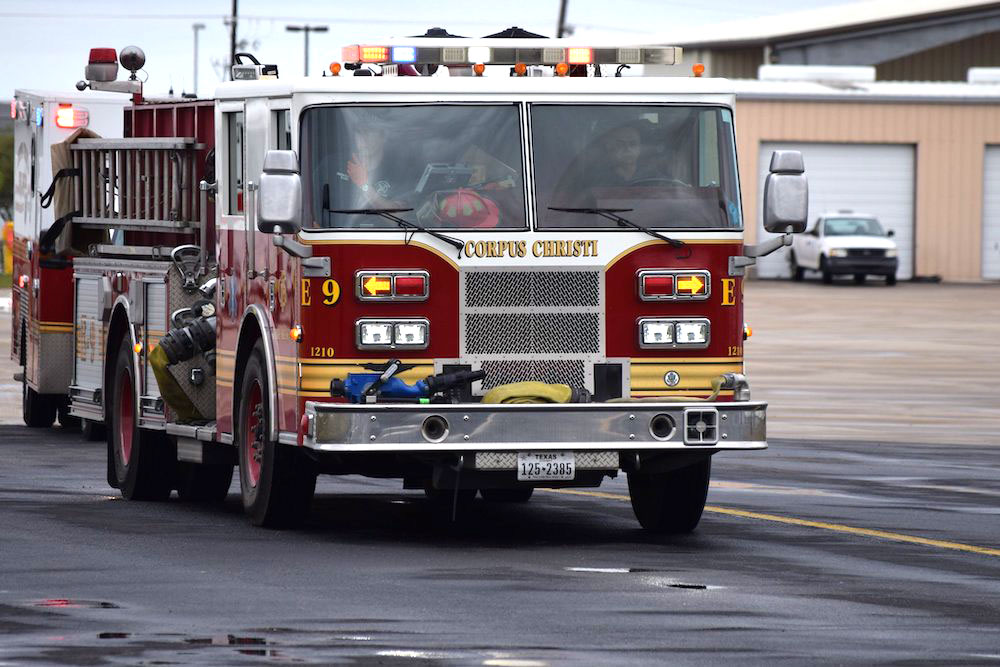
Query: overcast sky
[[45, 42]]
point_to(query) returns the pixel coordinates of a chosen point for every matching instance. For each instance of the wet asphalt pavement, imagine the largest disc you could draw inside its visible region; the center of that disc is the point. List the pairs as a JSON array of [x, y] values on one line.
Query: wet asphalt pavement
[[376, 577]]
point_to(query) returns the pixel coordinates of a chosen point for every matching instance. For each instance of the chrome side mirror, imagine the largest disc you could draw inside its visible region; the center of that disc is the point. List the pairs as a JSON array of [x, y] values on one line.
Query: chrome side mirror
[[786, 194], [280, 193]]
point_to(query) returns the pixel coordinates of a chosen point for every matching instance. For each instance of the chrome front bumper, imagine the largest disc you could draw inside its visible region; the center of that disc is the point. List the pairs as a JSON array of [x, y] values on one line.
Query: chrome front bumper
[[385, 427]]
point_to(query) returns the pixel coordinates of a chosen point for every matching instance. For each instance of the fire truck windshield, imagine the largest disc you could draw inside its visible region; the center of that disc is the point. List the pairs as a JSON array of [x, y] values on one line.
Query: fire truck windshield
[[672, 166], [456, 166]]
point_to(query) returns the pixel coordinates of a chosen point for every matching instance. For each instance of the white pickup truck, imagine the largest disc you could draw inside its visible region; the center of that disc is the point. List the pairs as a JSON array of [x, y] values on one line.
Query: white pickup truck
[[845, 243]]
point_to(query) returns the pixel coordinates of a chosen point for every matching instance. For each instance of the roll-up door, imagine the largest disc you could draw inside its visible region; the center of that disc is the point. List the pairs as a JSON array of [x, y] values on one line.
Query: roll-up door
[[876, 179], [991, 214]]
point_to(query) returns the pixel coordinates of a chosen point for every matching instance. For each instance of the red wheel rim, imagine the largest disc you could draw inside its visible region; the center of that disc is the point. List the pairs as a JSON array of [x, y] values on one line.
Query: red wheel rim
[[253, 451], [126, 416]]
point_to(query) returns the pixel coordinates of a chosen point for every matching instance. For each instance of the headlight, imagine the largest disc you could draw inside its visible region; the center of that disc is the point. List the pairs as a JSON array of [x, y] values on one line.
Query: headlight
[[413, 333], [410, 333], [657, 332], [692, 333], [674, 332], [891, 252], [838, 252]]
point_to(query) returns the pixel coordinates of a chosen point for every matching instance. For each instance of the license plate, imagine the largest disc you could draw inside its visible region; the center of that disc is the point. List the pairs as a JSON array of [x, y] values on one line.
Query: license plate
[[545, 466]]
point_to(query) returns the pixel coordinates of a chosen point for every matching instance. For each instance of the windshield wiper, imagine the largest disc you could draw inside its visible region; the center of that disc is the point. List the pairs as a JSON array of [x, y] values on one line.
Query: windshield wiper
[[612, 214], [390, 214]]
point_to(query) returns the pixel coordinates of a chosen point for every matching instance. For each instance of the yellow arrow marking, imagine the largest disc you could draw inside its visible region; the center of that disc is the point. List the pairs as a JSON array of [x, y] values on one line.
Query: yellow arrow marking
[[373, 285], [692, 284]]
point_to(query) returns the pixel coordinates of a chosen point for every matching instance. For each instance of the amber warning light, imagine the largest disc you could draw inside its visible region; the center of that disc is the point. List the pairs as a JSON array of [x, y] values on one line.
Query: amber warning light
[[403, 285], [673, 285]]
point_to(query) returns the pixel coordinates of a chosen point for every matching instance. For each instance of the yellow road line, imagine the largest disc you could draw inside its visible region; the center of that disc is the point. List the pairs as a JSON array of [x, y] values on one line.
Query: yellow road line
[[836, 527]]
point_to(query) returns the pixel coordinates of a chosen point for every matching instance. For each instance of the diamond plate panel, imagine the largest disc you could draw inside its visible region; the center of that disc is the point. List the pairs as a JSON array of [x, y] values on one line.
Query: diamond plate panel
[[584, 460]]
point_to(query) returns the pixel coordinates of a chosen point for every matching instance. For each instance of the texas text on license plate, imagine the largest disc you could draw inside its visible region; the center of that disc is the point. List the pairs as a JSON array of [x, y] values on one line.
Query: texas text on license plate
[[545, 466]]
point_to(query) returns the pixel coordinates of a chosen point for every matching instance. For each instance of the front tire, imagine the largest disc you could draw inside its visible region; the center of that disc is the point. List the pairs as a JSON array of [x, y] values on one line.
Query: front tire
[[890, 279], [827, 273], [144, 462], [798, 273], [277, 482], [671, 502]]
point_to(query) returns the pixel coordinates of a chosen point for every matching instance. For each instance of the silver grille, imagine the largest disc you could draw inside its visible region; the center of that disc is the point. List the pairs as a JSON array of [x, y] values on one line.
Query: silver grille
[[498, 289], [498, 373], [526, 333], [520, 325]]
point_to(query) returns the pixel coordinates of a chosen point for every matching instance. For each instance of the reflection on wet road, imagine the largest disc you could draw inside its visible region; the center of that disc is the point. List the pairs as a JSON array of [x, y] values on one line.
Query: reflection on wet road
[[844, 552]]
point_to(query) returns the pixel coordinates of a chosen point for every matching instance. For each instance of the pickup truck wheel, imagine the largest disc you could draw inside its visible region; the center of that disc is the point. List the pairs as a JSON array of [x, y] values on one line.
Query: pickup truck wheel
[[798, 273], [671, 502], [517, 495], [203, 483], [827, 274], [144, 461], [277, 482], [890, 280]]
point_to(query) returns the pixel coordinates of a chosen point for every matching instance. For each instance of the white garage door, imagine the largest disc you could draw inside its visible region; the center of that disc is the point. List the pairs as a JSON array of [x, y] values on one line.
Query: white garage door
[[867, 178], [991, 214]]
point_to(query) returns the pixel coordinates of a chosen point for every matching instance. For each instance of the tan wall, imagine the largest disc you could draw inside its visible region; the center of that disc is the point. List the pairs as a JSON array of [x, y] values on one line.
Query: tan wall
[[950, 141]]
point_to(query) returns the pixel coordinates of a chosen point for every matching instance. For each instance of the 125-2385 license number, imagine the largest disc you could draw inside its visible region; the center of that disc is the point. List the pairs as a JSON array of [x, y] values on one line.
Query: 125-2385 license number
[[545, 466]]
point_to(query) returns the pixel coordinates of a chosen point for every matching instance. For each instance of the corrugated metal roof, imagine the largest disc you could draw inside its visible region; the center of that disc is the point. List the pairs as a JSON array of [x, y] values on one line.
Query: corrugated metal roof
[[835, 18], [876, 91]]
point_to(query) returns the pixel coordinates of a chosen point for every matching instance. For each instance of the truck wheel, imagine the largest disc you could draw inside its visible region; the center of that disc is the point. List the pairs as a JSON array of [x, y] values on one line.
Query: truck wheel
[[670, 502], [38, 410], [277, 482], [203, 483], [144, 461], [66, 420], [516, 495], [890, 279], [827, 274], [92, 430], [798, 273]]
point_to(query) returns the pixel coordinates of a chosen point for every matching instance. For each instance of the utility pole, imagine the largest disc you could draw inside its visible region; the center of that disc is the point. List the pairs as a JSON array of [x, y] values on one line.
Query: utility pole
[[232, 40], [306, 29], [196, 27], [562, 18]]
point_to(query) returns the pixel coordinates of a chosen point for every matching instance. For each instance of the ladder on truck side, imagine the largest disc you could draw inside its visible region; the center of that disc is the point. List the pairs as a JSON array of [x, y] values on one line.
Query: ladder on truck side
[[145, 263]]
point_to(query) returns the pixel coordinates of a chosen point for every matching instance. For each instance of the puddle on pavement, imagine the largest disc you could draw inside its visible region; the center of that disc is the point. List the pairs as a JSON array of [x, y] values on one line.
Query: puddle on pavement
[[64, 603], [640, 570], [226, 640]]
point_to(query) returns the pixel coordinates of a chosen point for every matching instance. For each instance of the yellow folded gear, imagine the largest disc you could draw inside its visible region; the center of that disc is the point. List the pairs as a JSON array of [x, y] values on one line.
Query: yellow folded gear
[[529, 392], [170, 390]]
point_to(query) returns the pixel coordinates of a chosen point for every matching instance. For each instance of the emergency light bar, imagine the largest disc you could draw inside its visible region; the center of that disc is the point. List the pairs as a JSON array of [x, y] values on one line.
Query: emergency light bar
[[420, 51]]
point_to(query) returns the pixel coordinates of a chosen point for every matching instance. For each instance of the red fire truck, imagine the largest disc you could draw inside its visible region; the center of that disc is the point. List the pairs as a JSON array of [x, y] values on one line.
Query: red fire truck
[[475, 265]]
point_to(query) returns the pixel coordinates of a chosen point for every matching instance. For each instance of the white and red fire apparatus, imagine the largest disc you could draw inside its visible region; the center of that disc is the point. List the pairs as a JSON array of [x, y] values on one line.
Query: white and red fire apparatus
[[472, 283]]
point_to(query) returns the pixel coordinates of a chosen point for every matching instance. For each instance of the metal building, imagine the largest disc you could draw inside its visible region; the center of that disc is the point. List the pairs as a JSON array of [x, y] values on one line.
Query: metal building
[[905, 40], [924, 158]]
